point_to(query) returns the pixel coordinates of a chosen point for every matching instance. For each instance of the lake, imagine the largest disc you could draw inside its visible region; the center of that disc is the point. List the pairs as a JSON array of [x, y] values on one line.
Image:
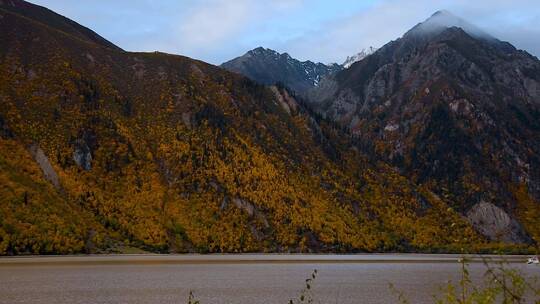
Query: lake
[[253, 278]]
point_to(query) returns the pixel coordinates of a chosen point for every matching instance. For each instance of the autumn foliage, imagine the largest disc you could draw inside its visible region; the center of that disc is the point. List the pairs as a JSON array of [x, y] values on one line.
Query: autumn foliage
[[169, 154]]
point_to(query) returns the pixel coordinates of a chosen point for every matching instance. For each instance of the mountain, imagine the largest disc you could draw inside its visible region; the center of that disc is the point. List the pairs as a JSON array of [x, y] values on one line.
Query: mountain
[[455, 110], [102, 150], [269, 67], [357, 57]]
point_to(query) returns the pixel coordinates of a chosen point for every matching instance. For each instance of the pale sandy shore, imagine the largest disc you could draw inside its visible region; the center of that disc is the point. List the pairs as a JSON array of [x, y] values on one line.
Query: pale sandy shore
[[256, 258]]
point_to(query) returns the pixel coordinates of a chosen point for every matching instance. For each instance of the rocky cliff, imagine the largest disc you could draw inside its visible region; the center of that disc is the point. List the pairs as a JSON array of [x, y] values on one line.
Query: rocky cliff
[[454, 109]]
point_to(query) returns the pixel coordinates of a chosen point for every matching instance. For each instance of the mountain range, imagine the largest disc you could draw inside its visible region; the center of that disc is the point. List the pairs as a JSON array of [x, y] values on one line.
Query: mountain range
[[428, 144], [269, 67]]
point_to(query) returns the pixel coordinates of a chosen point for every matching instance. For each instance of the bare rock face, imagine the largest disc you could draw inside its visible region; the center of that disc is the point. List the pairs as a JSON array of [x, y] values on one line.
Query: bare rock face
[[286, 101], [187, 120], [82, 155], [197, 71], [244, 205], [247, 207], [495, 224], [84, 146], [45, 165]]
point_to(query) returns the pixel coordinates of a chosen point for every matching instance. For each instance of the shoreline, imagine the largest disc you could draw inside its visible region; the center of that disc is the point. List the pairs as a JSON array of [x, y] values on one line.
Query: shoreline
[[252, 258]]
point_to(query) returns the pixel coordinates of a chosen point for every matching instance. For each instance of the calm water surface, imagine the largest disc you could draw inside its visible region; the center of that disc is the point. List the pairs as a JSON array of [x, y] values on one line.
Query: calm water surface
[[229, 279]]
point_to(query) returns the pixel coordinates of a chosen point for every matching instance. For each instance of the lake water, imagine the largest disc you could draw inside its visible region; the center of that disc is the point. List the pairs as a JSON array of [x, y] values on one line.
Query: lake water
[[230, 278]]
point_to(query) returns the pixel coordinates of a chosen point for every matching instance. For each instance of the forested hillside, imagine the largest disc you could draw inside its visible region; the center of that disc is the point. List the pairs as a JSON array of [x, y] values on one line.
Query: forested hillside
[[102, 149]]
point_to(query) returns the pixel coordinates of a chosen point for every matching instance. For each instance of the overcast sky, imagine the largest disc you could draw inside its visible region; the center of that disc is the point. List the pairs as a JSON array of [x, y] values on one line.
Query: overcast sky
[[319, 30]]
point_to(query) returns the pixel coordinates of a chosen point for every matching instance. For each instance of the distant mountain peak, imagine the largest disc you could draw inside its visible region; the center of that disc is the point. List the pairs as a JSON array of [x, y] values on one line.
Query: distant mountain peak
[[260, 51], [268, 67], [442, 20]]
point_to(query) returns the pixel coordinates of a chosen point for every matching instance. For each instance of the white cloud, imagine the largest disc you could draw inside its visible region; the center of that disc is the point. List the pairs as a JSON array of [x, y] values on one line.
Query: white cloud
[[208, 25], [218, 24]]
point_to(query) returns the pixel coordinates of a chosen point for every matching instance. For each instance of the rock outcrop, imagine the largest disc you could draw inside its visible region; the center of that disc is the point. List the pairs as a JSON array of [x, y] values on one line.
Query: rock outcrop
[[45, 165], [496, 224], [82, 155]]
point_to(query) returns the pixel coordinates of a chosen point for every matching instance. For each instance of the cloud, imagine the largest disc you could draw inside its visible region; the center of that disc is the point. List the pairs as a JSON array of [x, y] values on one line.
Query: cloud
[[218, 25], [208, 25]]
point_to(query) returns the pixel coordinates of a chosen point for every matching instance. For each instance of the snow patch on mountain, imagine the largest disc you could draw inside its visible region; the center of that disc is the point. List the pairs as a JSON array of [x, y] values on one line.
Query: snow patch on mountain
[[355, 58], [267, 66]]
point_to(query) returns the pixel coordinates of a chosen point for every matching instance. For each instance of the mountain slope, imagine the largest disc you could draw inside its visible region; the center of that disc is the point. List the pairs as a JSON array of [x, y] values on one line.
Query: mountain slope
[[456, 110], [269, 67], [101, 149], [51, 19]]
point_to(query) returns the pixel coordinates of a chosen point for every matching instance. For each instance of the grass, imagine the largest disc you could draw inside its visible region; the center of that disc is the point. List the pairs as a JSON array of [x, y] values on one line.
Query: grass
[[501, 285]]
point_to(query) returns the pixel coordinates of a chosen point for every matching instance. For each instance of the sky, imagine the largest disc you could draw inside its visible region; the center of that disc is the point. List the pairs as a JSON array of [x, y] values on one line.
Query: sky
[[318, 30]]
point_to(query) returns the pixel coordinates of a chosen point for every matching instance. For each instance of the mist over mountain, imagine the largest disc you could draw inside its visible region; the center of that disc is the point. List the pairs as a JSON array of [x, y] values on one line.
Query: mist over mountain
[[442, 20]]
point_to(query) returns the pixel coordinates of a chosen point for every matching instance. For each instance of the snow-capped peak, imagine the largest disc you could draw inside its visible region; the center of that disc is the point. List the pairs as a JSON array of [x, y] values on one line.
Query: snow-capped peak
[[355, 58]]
